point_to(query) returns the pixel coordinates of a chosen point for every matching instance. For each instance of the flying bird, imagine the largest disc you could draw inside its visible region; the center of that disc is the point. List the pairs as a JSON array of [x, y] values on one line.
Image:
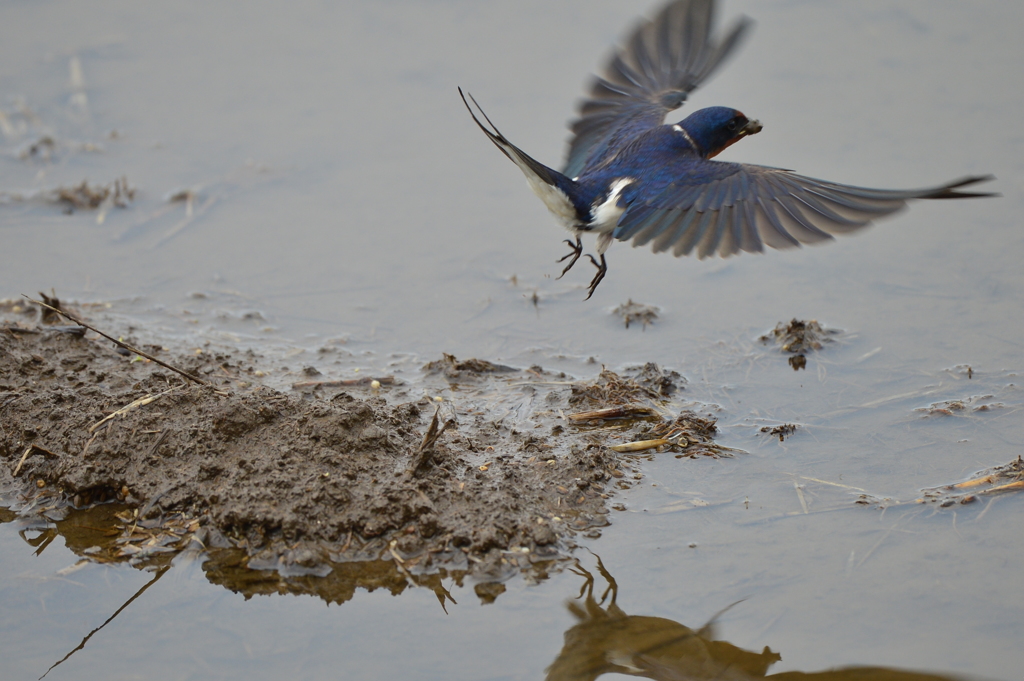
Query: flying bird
[[629, 176]]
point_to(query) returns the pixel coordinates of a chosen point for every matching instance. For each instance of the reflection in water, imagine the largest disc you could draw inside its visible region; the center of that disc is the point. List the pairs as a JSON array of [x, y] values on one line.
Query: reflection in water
[[87, 533], [230, 569], [93, 533], [606, 640], [96, 535], [158, 574]]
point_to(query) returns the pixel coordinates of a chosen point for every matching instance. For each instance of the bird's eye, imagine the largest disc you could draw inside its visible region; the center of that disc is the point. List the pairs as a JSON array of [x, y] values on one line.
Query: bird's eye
[[731, 125]]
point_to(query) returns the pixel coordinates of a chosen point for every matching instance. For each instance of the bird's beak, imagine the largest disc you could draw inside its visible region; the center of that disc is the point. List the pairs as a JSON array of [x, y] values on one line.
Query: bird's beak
[[751, 128]]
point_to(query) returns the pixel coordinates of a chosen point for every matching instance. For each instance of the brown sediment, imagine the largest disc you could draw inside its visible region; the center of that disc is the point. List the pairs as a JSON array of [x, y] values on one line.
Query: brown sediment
[[303, 481], [632, 313], [781, 431], [799, 338]]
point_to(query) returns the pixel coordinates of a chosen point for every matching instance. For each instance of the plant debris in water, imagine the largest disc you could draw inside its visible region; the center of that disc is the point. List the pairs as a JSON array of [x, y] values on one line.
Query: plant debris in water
[[987, 483], [638, 399], [798, 338], [42, 148], [648, 382], [780, 431], [963, 407], [1006, 478], [83, 196], [452, 368], [664, 382], [688, 434], [636, 312]]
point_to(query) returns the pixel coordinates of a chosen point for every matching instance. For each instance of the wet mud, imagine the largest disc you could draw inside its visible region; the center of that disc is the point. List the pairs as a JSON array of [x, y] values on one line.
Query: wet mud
[[781, 431], [326, 486], [798, 338], [498, 482], [637, 313]]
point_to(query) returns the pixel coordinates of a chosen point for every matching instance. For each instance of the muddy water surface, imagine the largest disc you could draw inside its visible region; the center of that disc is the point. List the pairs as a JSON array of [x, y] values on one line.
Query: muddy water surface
[[338, 210]]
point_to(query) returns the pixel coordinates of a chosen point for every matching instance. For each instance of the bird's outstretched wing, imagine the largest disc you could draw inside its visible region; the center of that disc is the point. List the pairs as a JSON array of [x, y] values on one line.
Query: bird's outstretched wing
[[738, 207], [662, 62]]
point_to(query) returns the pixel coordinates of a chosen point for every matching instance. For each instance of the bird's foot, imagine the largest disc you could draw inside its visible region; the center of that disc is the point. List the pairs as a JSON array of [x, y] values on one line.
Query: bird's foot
[[575, 253], [602, 269]]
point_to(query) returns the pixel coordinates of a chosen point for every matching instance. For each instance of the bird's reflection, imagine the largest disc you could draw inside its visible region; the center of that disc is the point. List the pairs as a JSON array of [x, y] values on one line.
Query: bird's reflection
[[606, 640]]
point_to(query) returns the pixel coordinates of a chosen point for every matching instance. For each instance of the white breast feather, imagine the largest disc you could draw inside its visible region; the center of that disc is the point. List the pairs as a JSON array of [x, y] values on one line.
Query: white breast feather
[[605, 215]]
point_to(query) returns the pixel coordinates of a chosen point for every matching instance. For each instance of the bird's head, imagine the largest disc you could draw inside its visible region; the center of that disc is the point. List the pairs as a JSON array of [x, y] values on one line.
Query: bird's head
[[718, 127]]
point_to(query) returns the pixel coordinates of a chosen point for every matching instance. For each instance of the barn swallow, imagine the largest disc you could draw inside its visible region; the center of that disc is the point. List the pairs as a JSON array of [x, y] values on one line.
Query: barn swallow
[[629, 176]]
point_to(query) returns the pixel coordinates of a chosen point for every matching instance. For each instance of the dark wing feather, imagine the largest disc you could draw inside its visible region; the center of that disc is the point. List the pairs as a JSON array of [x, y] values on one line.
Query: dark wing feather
[[741, 207], [662, 62]]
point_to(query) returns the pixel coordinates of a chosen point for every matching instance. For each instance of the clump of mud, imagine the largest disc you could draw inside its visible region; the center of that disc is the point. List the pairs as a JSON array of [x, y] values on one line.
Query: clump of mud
[[962, 407], [647, 382], [799, 338], [296, 481], [632, 313], [781, 431], [451, 368], [82, 196]]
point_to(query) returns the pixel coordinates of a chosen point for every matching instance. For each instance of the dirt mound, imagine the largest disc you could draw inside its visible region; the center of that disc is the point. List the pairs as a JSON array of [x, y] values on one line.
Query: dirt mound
[[306, 479], [798, 338]]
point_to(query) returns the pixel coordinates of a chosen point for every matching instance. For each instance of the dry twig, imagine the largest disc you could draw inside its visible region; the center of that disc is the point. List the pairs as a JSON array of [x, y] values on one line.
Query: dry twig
[[127, 347], [426, 449], [141, 402]]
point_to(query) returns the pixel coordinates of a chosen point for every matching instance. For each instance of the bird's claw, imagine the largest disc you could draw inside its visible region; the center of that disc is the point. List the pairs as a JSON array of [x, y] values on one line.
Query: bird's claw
[[602, 269], [575, 253]]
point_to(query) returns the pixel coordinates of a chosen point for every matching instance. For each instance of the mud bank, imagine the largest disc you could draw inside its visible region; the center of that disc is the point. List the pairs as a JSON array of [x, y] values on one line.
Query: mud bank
[[322, 474]]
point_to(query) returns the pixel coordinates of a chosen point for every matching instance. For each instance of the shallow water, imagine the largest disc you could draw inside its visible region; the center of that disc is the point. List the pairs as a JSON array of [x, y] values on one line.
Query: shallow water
[[344, 199]]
